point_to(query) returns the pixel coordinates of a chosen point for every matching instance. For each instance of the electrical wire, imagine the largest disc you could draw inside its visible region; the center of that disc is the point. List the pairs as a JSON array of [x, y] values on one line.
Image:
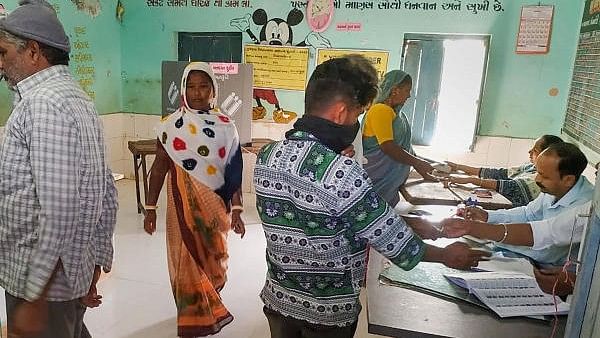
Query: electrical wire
[[564, 270]]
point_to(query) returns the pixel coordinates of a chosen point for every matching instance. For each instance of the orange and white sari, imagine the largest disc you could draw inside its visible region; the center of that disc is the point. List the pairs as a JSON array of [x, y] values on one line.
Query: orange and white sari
[[206, 172]]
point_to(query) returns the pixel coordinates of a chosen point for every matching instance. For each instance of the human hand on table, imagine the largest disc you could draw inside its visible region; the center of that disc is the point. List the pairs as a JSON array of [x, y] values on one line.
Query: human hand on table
[[474, 214], [453, 166], [460, 256], [455, 227], [423, 228], [425, 169], [547, 278], [462, 180]]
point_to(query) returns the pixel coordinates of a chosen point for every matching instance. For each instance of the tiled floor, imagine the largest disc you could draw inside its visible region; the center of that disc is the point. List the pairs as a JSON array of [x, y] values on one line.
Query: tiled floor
[[137, 299]]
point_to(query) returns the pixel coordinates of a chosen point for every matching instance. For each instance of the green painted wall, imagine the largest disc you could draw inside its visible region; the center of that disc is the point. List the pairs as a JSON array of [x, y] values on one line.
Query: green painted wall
[[95, 56], [516, 101]]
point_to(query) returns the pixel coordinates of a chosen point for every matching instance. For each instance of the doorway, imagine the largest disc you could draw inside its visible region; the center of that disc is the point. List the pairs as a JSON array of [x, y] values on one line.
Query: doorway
[[448, 73]]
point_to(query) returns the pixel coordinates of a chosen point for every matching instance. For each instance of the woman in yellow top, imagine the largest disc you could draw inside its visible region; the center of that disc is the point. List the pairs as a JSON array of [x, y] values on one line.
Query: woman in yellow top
[[387, 138]]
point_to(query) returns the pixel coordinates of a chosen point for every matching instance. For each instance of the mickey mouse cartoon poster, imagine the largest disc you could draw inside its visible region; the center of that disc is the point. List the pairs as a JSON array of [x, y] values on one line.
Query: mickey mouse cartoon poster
[[275, 32]]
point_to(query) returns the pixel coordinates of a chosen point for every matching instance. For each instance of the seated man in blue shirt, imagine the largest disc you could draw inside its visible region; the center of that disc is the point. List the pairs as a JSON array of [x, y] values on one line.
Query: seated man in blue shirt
[[563, 187], [558, 231], [320, 213]]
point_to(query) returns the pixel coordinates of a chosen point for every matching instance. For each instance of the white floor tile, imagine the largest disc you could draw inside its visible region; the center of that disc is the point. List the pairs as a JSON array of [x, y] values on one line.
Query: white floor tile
[[137, 299]]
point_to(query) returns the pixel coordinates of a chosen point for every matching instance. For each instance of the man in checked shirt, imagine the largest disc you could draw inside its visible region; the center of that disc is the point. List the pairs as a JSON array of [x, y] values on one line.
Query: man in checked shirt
[[58, 200]]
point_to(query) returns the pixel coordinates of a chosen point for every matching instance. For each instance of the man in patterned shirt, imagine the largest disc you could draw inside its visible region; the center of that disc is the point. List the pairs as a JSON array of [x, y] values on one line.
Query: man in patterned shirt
[[319, 212], [58, 200]]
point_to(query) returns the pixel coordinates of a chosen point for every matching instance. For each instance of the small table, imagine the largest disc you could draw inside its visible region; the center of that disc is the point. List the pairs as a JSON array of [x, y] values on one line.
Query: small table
[[140, 149], [256, 144], [418, 192]]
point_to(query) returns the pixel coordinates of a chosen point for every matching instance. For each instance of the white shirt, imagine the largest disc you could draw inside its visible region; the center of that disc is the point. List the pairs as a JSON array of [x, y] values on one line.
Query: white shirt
[[542, 208], [561, 230]]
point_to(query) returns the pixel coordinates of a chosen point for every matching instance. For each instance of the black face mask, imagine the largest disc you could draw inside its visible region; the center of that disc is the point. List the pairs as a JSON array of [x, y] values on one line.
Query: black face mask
[[336, 137]]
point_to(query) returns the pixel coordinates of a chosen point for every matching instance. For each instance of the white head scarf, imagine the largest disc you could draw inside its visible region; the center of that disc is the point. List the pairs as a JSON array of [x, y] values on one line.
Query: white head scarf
[[202, 143], [203, 67]]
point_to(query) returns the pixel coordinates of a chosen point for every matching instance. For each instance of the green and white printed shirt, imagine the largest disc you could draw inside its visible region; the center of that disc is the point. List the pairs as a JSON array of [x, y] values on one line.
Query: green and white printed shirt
[[320, 213]]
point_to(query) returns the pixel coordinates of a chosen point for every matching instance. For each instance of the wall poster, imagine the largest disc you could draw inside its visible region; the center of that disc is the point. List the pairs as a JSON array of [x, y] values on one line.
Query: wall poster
[[379, 58], [278, 67]]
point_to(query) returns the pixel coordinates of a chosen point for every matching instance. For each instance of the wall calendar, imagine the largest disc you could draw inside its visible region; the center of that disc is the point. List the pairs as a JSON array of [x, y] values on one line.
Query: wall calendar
[[535, 29]]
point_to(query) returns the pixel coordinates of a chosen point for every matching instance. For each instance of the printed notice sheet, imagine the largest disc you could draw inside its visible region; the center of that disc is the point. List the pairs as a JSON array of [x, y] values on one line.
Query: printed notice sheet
[[277, 67], [510, 294], [378, 58]]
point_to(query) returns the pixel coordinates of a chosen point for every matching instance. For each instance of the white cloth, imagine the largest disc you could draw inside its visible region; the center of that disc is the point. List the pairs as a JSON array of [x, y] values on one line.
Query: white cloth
[[203, 143]]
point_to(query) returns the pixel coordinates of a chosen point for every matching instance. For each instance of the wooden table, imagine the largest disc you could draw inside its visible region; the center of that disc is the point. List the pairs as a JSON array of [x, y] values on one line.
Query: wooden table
[[256, 144], [418, 192], [140, 149], [397, 312]]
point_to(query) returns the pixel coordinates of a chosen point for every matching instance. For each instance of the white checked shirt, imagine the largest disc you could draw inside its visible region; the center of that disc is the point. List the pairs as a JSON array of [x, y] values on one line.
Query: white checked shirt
[[58, 200]]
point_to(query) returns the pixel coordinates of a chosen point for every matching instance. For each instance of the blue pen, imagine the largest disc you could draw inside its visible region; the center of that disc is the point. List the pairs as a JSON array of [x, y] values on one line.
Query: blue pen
[[471, 202]]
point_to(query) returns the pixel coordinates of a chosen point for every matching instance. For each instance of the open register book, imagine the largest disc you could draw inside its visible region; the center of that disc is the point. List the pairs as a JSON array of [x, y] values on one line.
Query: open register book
[[509, 294]]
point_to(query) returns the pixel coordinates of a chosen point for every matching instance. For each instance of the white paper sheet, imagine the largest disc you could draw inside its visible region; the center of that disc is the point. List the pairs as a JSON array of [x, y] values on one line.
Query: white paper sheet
[[510, 294]]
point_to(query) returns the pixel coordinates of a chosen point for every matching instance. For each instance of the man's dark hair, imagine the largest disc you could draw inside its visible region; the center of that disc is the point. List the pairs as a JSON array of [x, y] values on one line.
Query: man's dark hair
[[351, 78], [54, 55], [572, 161], [547, 140]]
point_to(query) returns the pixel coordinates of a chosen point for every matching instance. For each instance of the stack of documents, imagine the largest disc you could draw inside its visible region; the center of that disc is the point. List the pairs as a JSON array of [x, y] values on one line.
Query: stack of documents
[[509, 294]]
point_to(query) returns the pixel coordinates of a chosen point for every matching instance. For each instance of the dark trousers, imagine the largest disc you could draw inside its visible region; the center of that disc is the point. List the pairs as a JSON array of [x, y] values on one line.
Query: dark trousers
[[65, 319], [286, 327]]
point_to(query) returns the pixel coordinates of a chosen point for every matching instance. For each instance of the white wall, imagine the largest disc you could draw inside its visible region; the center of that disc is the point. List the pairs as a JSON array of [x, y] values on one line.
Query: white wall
[[121, 128]]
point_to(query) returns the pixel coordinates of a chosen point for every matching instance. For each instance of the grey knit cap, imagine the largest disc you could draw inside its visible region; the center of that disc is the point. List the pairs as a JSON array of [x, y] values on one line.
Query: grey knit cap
[[36, 20]]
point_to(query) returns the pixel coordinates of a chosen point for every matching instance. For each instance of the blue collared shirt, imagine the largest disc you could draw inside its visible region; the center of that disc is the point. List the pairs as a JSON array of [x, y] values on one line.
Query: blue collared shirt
[[543, 207]]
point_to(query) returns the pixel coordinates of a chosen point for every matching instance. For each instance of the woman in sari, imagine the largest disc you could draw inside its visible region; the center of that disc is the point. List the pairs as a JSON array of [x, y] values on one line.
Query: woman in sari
[[387, 139], [517, 184], [199, 149]]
